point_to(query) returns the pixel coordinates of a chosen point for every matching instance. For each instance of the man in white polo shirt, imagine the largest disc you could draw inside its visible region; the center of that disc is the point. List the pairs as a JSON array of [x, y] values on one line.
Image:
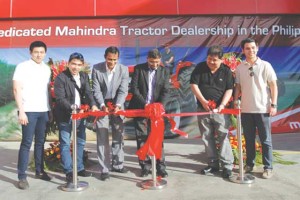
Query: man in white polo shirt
[[256, 82], [31, 91]]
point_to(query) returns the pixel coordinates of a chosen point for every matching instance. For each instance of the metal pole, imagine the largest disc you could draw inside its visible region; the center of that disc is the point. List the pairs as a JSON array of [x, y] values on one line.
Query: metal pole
[[154, 183], [74, 144], [76, 186], [241, 178], [153, 162]]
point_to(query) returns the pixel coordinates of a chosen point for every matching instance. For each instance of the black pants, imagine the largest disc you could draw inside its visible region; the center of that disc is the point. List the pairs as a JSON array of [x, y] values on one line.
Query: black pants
[[142, 130]]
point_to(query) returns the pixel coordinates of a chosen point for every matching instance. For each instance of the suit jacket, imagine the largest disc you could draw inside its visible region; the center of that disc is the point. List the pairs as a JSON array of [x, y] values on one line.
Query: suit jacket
[[64, 89], [120, 83], [140, 86]]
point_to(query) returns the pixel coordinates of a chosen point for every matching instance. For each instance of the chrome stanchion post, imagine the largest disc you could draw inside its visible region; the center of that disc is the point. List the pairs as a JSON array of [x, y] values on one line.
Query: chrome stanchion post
[[241, 177], [153, 162], [154, 183], [76, 186]]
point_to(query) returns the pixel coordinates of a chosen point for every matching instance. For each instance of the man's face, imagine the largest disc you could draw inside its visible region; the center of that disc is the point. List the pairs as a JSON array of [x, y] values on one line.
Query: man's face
[[111, 60], [213, 62], [38, 54], [250, 50], [153, 63], [75, 65], [167, 49]]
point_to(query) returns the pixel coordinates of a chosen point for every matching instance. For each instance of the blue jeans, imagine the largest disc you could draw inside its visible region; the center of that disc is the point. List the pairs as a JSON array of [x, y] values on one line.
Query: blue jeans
[[36, 127], [65, 131], [261, 122]]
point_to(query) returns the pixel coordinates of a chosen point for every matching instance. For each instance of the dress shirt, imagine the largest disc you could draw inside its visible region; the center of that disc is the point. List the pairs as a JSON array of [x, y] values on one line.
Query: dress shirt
[[152, 81], [77, 95], [110, 75]]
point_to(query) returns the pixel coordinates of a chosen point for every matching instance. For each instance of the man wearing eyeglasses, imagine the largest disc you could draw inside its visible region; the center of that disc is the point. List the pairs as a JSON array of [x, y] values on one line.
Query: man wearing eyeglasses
[[72, 87], [256, 83], [110, 86], [213, 81]]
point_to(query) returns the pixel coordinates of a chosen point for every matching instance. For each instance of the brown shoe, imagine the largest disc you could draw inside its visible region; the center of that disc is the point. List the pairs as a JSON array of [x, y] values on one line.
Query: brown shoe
[[23, 184], [268, 173]]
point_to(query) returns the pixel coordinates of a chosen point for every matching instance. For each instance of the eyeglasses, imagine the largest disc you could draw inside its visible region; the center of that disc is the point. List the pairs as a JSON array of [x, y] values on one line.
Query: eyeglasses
[[251, 71], [76, 55]]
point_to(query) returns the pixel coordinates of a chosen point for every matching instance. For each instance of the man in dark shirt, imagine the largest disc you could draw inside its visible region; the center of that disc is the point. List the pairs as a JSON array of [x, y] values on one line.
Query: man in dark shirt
[[212, 81], [150, 84]]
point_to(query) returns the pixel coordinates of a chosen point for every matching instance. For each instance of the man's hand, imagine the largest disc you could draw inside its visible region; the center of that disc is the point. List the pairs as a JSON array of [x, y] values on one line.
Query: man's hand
[[105, 109], [117, 108], [220, 108], [273, 111], [205, 105], [23, 120], [94, 108]]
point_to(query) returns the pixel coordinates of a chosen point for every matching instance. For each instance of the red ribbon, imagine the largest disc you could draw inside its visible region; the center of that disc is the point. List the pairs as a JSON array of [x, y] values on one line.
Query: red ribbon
[[155, 112], [153, 145]]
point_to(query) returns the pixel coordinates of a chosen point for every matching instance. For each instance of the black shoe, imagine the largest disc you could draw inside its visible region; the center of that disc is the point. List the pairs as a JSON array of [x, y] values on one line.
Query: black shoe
[[226, 173], [84, 173], [69, 177], [209, 170], [104, 176], [145, 172], [123, 170], [44, 176], [162, 173]]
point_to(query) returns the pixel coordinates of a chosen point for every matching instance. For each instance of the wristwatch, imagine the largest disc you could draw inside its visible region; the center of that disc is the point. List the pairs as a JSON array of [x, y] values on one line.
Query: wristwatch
[[273, 105]]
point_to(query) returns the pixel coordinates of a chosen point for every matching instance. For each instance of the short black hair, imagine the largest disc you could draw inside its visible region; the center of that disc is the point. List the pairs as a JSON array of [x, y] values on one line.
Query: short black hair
[[77, 56], [37, 44], [154, 53], [215, 51], [113, 50], [248, 40]]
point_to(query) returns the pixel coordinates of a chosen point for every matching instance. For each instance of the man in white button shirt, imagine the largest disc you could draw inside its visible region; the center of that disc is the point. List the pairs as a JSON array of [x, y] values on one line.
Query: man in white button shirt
[[110, 86], [31, 90]]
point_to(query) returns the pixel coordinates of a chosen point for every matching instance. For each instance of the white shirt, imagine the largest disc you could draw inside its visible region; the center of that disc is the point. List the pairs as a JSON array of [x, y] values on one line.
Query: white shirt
[[110, 75], [256, 96], [152, 82], [34, 79], [77, 95]]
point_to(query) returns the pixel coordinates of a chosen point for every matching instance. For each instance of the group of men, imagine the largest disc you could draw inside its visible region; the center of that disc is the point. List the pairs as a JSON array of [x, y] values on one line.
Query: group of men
[[210, 81]]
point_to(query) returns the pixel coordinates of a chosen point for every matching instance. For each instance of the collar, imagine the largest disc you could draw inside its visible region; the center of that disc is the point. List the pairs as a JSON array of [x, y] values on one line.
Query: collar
[[151, 70], [34, 63], [110, 71], [76, 77], [257, 62]]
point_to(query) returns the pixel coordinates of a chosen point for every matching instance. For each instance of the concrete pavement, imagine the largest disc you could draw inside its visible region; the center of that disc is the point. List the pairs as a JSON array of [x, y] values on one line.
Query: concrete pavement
[[184, 158]]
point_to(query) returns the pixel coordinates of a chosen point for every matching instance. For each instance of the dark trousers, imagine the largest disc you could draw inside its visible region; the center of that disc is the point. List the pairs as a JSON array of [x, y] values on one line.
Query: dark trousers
[[142, 130], [261, 122], [34, 129]]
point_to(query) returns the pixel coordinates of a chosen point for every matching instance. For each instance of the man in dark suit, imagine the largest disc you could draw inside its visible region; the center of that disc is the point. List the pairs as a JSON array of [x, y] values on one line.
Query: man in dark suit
[[150, 83], [110, 85], [72, 87]]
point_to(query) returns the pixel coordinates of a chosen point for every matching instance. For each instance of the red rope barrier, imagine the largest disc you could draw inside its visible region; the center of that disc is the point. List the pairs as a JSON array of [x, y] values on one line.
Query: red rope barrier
[[155, 112]]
